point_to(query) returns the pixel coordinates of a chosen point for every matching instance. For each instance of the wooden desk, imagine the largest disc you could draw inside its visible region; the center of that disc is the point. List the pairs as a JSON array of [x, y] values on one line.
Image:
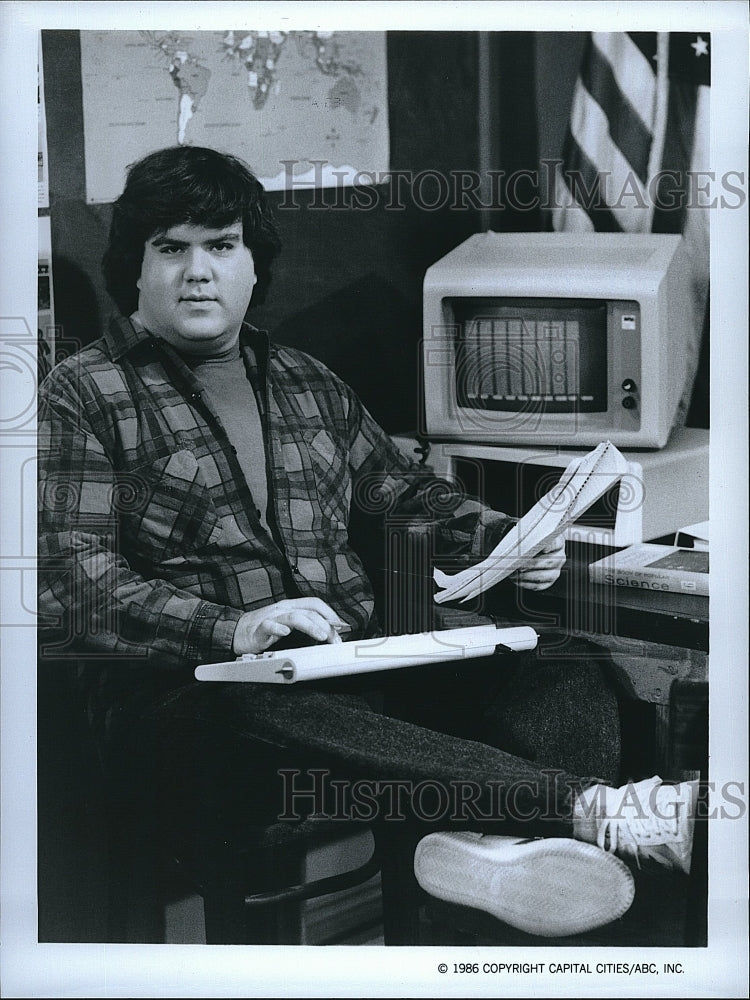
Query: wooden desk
[[577, 604], [658, 642]]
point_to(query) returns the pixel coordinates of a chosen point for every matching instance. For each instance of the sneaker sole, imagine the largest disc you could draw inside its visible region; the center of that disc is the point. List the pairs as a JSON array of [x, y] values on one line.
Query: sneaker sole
[[551, 887]]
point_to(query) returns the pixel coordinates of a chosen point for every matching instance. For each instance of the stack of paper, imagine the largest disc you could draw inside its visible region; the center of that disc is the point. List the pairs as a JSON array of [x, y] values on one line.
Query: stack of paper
[[583, 482]]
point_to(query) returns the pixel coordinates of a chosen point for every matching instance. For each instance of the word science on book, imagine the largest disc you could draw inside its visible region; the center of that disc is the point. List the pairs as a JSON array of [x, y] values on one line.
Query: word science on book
[[626, 581]]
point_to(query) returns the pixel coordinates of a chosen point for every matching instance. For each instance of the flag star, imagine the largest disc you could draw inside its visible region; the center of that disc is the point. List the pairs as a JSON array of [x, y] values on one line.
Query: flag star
[[700, 45]]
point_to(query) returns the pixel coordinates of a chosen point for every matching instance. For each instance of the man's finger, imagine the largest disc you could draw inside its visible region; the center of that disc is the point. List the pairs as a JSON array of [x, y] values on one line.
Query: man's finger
[[535, 584], [309, 622], [555, 544], [312, 604], [275, 627]]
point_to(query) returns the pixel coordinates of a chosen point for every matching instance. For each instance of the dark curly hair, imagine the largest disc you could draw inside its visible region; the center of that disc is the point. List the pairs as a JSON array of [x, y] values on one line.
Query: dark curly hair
[[186, 184]]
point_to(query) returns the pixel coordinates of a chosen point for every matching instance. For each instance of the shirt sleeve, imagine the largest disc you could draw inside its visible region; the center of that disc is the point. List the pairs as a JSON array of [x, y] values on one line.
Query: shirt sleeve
[[89, 597], [389, 484]]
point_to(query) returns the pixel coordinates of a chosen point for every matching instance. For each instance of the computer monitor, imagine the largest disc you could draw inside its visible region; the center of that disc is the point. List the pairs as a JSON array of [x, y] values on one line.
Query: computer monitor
[[557, 339]]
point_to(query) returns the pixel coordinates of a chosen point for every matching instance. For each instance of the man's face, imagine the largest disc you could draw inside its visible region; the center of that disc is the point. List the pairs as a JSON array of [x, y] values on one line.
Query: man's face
[[195, 286]]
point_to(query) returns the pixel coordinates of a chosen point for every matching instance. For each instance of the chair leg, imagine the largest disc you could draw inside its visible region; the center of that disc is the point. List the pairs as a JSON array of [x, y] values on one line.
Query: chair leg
[[395, 843], [229, 921], [224, 915], [696, 930]]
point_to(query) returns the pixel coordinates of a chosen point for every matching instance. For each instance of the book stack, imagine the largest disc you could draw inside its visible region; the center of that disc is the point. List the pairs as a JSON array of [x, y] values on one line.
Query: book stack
[[654, 567]]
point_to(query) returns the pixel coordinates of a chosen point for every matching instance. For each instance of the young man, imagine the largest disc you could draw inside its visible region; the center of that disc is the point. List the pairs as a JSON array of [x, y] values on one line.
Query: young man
[[198, 484]]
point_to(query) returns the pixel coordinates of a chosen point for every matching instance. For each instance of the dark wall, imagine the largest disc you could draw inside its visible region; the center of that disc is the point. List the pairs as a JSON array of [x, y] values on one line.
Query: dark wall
[[348, 285]]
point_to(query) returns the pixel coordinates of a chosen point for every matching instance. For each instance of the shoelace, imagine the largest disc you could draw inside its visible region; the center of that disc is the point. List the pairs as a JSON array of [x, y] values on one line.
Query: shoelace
[[634, 834]]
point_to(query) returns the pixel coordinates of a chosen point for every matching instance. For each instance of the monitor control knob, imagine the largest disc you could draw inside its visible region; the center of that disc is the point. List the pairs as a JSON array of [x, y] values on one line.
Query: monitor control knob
[[629, 403], [629, 385]]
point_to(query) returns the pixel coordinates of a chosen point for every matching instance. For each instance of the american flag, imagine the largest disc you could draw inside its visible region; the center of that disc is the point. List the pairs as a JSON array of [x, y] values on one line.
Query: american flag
[[637, 146]]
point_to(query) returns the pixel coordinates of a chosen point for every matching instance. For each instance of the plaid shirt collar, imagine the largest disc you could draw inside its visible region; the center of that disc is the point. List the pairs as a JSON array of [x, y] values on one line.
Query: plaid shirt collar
[[125, 334]]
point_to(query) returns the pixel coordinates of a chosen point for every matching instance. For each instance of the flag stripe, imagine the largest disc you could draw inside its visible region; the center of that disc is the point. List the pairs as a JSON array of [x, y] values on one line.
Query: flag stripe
[[690, 152], [678, 140], [610, 134], [635, 74], [578, 167], [625, 125], [566, 214], [645, 42], [621, 188]]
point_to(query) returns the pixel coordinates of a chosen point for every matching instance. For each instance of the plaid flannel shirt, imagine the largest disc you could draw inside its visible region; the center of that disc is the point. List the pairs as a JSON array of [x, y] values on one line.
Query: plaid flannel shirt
[[150, 547]]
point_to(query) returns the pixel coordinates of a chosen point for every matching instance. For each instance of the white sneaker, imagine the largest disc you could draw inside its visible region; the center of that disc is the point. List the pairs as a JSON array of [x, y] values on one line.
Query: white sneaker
[[551, 887], [645, 819]]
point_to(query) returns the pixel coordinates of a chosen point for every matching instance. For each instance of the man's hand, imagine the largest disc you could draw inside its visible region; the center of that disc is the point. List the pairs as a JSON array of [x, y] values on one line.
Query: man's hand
[[257, 630], [544, 568]]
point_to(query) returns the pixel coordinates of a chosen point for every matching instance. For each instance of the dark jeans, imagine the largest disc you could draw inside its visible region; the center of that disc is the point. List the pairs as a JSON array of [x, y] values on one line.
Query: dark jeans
[[499, 744]]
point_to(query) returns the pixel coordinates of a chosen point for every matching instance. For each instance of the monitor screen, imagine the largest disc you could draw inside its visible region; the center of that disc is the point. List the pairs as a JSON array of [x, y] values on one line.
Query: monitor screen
[[516, 354]]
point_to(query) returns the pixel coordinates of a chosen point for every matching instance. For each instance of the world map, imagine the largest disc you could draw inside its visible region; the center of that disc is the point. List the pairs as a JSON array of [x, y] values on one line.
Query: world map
[[302, 108]]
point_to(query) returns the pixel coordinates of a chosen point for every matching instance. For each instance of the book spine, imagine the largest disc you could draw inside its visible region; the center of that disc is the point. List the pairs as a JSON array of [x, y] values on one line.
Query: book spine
[[641, 578]]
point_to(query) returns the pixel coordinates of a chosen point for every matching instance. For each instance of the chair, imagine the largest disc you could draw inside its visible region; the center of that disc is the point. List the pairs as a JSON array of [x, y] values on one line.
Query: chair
[[108, 860], [107, 863]]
